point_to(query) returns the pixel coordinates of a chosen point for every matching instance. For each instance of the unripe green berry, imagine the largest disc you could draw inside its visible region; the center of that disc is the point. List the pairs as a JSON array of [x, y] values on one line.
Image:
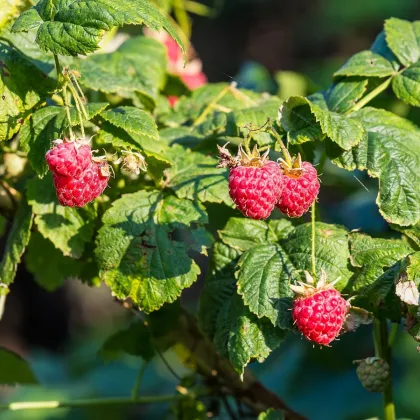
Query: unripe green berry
[[373, 373]]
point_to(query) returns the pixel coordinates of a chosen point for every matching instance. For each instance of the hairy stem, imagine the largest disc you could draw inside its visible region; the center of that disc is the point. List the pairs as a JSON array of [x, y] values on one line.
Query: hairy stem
[[286, 154], [80, 109], [384, 351], [61, 83], [371, 95], [67, 108]]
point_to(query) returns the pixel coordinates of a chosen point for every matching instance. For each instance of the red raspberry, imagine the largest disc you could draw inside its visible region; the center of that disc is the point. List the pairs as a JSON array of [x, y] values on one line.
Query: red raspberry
[[69, 158], [255, 183], [300, 190], [78, 191], [319, 312]]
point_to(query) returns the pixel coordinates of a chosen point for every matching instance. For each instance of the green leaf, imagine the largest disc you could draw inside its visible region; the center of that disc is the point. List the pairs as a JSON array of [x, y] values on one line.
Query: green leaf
[[342, 96], [133, 120], [242, 234], [16, 242], [136, 68], [219, 287], [134, 340], [67, 228], [390, 152], [293, 114], [413, 268], [48, 265], [366, 64], [271, 414], [38, 134], [136, 253], [265, 271], [263, 279], [22, 87], [380, 46], [195, 176], [412, 232], [29, 19], [189, 109], [14, 370], [374, 283], [403, 38], [249, 120], [406, 85], [76, 27], [241, 336]]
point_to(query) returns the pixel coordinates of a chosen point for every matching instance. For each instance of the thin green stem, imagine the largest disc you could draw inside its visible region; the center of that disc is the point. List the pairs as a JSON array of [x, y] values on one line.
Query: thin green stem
[[313, 240], [139, 379], [58, 70], [371, 95], [36, 405], [197, 8], [182, 17], [62, 83], [78, 110], [67, 108], [393, 334], [77, 99], [385, 354], [286, 154]]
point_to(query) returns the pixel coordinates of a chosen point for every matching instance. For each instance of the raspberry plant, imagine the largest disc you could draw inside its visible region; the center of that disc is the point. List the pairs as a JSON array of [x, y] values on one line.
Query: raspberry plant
[[167, 199]]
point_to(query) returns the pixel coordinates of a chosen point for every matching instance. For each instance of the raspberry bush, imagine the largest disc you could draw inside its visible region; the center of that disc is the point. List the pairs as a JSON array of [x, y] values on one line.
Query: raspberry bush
[[126, 178]]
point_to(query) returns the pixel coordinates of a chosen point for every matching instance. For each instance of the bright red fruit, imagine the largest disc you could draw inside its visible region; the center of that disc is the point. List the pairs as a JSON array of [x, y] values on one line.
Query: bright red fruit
[[255, 183], [78, 191], [300, 190], [319, 312], [69, 158]]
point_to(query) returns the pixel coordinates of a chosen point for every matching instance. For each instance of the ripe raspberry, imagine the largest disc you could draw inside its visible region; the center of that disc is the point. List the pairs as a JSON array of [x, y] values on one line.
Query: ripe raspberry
[[69, 158], [373, 373], [301, 188], [255, 183], [319, 312], [78, 191]]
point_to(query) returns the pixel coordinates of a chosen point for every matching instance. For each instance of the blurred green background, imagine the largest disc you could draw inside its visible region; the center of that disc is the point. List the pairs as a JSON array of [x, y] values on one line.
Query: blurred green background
[[264, 45]]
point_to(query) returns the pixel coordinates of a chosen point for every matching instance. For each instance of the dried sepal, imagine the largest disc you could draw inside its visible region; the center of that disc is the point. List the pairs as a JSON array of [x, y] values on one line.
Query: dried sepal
[[292, 167], [254, 158]]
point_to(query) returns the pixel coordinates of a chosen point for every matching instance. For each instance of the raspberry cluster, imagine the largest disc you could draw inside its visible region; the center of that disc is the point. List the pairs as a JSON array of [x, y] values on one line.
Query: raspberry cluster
[[257, 185], [78, 177]]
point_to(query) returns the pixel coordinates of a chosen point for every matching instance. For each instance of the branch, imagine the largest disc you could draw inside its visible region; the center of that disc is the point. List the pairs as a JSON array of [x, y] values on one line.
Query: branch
[[219, 372]]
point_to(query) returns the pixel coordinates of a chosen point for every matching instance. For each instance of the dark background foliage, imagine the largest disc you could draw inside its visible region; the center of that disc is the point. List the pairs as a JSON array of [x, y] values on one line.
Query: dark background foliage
[[248, 41]]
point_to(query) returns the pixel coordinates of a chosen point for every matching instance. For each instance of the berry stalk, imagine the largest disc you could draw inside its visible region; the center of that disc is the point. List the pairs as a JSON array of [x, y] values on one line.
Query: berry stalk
[[60, 80], [313, 240], [384, 349]]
